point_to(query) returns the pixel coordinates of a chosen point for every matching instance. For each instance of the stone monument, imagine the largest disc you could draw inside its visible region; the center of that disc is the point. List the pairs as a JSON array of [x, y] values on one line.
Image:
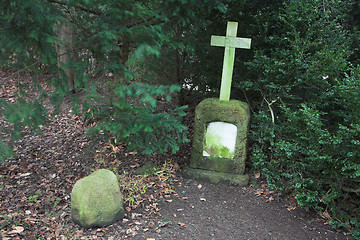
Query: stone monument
[[221, 125]]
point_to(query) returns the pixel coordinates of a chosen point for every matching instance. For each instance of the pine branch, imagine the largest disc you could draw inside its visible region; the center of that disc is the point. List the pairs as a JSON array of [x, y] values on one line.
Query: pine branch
[[77, 7]]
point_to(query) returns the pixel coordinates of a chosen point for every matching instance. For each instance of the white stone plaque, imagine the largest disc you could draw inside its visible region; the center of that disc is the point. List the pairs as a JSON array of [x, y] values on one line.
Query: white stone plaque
[[220, 139]]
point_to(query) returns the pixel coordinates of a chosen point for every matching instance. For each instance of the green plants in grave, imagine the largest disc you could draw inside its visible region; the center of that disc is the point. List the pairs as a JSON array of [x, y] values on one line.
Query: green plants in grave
[[214, 142], [56, 202], [134, 187], [34, 197], [165, 176], [217, 150], [162, 223]]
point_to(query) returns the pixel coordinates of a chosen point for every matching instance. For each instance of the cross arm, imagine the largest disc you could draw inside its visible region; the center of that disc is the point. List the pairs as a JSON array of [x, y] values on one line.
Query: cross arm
[[220, 41]]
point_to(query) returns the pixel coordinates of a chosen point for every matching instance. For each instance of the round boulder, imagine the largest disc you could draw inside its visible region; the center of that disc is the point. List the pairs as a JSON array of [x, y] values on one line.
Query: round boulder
[[96, 200]]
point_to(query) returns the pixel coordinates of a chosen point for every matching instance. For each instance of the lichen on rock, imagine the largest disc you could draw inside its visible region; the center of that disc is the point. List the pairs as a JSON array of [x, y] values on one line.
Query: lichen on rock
[[96, 200]]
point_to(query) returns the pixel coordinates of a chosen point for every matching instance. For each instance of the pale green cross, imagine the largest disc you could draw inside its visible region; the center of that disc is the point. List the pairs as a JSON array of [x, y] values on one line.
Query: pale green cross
[[230, 42]]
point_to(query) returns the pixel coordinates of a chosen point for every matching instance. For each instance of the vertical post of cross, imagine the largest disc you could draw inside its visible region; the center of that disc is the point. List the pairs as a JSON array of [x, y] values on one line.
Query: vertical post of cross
[[230, 42]]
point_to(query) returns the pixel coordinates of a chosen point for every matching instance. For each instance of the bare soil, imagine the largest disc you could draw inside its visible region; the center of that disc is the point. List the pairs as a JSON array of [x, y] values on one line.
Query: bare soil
[[35, 189]]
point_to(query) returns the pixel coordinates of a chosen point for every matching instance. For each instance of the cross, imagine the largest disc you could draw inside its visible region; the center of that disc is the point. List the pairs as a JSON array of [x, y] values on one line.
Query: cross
[[230, 42]]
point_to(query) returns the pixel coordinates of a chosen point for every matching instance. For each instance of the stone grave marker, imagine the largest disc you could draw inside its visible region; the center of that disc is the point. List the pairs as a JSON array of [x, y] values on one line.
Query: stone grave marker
[[221, 125]]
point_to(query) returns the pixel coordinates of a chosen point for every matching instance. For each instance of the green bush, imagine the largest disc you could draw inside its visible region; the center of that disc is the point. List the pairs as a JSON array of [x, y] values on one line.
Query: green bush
[[129, 114], [109, 38], [306, 108]]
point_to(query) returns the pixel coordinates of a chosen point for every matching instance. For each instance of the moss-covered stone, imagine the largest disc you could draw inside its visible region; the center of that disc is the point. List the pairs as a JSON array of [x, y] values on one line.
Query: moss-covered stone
[[215, 164], [213, 110], [149, 168], [216, 177], [96, 200]]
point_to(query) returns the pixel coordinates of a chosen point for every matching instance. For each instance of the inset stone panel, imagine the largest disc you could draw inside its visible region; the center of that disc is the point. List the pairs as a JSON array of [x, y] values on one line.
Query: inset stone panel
[[232, 119], [220, 139]]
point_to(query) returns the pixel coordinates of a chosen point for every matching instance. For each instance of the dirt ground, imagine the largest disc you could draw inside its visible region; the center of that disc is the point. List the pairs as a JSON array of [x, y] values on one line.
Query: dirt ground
[[35, 189], [223, 212]]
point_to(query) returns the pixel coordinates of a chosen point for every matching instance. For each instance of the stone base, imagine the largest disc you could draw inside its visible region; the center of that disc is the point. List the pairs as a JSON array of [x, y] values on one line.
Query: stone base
[[216, 177]]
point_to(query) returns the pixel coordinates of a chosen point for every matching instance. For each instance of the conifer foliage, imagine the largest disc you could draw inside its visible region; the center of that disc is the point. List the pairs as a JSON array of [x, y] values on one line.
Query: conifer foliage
[[94, 47]]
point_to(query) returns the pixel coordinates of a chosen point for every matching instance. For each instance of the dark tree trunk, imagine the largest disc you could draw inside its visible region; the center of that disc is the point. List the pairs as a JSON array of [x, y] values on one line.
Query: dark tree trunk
[[67, 54]]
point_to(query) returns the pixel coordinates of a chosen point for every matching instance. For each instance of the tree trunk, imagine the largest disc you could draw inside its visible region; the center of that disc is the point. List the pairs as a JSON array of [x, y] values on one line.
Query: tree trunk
[[67, 54], [125, 49]]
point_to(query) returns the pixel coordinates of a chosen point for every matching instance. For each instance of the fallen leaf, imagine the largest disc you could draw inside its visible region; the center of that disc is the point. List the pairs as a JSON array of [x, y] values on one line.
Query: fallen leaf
[[290, 208], [199, 186], [24, 174], [325, 215], [181, 224], [128, 209], [46, 220], [17, 229], [185, 198], [169, 200], [257, 175], [163, 224]]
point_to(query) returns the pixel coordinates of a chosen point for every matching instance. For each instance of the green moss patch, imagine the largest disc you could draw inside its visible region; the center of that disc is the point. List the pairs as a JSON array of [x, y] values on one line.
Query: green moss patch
[[96, 200], [216, 177]]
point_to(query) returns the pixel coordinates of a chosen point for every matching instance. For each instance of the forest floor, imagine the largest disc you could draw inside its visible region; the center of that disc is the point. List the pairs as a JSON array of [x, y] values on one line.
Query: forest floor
[[36, 184]]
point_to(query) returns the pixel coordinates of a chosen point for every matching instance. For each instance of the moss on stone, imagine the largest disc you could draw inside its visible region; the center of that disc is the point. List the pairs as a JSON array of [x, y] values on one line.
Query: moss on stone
[[218, 164], [216, 177], [96, 200], [214, 110]]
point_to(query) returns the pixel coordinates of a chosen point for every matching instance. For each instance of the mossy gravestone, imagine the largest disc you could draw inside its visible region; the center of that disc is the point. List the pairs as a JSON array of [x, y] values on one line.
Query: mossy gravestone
[[96, 200], [221, 126]]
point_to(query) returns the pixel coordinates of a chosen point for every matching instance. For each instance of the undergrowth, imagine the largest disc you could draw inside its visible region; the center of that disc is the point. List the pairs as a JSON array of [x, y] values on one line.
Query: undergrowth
[[137, 188]]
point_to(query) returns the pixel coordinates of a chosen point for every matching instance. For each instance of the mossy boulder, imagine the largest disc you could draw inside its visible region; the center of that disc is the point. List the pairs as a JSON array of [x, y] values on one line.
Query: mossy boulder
[[96, 200]]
